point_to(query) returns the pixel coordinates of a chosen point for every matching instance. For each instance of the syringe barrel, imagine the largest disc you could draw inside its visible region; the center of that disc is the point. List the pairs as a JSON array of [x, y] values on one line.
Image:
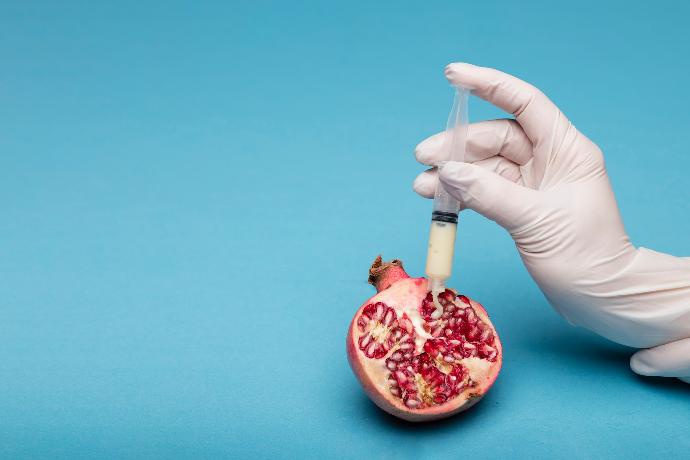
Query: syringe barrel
[[454, 149], [444, 217]]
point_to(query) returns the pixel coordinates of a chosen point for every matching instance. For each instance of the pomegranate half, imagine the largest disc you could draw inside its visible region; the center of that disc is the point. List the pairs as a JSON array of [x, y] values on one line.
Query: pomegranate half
[[413, 361]]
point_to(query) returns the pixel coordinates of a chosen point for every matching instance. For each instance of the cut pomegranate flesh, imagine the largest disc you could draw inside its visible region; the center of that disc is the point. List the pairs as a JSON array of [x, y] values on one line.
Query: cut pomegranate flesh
[[413, 365], [437, 374]]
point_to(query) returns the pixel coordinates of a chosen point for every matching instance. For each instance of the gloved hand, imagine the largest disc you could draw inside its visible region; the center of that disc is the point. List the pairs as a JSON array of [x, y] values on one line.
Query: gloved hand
[[546, 184]]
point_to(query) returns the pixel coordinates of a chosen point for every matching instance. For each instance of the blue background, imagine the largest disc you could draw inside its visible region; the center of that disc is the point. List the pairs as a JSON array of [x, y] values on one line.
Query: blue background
[[192, 193]]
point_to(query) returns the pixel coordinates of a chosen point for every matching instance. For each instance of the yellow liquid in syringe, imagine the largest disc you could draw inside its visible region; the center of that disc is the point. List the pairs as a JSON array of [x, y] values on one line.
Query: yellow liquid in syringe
[[439, 258]]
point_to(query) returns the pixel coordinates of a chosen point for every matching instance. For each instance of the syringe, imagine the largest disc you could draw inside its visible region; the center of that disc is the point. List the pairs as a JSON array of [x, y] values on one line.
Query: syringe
[[444, 217]]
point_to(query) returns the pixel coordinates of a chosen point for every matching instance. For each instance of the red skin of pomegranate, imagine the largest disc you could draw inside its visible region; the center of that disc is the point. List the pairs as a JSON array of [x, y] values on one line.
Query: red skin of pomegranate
[[421, 385]]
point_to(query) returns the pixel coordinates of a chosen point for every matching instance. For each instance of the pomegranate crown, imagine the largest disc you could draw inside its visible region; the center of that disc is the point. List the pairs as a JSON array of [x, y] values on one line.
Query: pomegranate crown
[[383, 274]]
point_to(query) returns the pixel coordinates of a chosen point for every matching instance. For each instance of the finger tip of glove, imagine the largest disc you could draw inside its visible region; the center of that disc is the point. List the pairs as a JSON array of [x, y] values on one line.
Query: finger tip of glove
[[640, 365], [422, 155], [457, 72], [428, 151], [425, 185]]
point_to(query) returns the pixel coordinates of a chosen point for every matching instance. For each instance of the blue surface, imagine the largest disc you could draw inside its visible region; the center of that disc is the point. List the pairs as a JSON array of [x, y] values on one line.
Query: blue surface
[[192, 195]]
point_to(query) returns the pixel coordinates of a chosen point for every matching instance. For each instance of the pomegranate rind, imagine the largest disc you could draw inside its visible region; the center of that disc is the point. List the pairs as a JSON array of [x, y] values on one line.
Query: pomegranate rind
[[373, 379]]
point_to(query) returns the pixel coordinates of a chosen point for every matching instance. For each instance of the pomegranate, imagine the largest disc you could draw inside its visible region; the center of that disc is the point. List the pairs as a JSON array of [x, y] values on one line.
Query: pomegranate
[[417, 357]]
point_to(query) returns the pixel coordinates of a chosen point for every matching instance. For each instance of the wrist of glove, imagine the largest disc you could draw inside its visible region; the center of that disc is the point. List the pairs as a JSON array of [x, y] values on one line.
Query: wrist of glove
[[645, 305], [546, 184]]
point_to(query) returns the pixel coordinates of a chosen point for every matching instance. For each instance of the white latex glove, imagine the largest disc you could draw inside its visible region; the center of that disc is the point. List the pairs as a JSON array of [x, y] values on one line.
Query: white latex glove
[[546, 183]]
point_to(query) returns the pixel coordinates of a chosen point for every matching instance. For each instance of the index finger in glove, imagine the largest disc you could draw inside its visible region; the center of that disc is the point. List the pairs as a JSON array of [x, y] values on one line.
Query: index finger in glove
[[535, 112]]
